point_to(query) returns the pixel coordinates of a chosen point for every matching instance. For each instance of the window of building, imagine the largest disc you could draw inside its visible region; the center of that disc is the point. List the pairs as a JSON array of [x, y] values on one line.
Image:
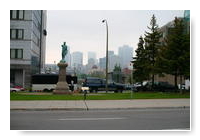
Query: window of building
[[13, 34], [21, 14], [19, 53], [16, 33], [12, 53], [20, 34], [13, 14], [17, 14], [16, 53]]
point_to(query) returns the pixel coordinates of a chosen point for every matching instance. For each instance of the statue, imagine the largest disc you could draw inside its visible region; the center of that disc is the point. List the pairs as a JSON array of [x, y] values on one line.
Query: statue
[[64, 52], [62, 85]]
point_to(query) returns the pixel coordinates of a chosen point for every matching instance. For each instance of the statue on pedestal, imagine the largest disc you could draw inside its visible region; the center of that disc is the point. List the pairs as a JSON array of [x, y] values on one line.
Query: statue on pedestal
[[64, 52], [62, 86]]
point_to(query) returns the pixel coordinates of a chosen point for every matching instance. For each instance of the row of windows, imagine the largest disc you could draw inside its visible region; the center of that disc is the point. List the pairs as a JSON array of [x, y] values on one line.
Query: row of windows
[[16, 33], [19, 34], [17, 14], [16, 53]]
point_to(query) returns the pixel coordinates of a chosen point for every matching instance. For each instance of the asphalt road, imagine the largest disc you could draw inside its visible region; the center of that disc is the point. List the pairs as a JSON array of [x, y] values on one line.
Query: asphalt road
[[136, 119]]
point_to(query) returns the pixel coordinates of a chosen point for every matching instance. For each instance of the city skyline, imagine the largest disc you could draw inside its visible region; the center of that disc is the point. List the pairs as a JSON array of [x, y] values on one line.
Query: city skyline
[[84, 32]]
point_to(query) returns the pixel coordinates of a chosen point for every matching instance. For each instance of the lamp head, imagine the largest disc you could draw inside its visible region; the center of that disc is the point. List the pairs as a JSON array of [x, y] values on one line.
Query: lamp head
[[103, 20]]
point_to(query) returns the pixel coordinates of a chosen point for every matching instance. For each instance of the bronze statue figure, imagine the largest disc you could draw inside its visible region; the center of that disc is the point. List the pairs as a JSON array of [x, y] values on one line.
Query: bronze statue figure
[[64, 52]]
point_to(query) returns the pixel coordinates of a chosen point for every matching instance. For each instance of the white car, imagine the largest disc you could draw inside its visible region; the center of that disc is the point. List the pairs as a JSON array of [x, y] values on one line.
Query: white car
[[12, 89]]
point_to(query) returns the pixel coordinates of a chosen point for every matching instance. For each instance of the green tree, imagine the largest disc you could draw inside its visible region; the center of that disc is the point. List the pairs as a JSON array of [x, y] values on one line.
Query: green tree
[[174, 57], [152, 43], [117, 74], [140, 72]]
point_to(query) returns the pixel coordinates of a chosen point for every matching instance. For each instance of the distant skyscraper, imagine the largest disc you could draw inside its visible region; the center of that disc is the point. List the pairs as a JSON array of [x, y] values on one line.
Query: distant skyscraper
[[113, 60], [27, 45], [110, 53], [77, 59], [102, 63], [92, 55], [125, 55]]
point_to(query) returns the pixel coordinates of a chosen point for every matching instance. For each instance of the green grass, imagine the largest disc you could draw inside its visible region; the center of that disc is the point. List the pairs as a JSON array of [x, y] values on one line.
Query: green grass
[[100, 96]]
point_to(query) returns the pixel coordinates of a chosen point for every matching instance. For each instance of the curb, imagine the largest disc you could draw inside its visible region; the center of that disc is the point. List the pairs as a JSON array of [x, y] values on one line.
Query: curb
[[86, 109]]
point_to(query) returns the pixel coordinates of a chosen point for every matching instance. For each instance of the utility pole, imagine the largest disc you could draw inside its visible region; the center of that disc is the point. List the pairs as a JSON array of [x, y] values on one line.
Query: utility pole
[[106, 54]]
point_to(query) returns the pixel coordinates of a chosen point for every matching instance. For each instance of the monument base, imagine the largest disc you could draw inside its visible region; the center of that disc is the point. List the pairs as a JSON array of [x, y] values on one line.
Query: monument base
[[62, 86]]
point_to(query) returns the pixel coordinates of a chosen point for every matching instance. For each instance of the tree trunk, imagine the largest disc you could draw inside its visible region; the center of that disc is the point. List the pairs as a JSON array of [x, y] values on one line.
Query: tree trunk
[[181, 91], [152, 82], [175, 81]]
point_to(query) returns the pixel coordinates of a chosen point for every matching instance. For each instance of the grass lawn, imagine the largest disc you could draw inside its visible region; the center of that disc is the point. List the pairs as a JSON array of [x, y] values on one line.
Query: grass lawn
[[98, 96]]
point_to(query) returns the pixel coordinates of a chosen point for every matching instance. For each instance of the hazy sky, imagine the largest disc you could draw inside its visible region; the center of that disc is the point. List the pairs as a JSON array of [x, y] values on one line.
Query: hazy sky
[[84, 31]]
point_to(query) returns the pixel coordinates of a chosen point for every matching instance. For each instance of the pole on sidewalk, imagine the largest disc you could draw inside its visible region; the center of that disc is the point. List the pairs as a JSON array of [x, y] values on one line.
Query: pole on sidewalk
[[85, 92]]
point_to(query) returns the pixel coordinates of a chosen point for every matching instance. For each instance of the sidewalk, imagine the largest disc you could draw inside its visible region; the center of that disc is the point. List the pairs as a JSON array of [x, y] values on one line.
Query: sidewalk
[[99, 104]]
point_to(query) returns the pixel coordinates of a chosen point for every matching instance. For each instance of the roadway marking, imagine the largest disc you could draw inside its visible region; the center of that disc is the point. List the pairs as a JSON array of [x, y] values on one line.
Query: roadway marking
[[89, 119]]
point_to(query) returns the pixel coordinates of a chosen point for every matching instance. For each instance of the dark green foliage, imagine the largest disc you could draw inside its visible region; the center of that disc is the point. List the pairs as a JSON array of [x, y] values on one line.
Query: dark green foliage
[[117, 68], [174, 55], [117, 74], [140, 63], [152, 43]]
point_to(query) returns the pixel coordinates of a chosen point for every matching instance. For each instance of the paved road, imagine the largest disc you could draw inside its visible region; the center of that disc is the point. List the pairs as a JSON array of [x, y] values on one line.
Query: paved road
[[135, 119]]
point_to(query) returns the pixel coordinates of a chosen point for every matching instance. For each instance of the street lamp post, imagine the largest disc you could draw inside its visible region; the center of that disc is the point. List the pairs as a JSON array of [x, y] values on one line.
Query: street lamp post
[[106, 54]]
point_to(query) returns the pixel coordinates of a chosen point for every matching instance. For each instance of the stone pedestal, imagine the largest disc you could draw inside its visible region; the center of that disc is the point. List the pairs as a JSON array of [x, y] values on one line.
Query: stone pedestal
[[62, 86]]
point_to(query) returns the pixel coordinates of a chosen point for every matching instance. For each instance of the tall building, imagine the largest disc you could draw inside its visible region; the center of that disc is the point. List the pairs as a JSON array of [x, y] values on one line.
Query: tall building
[[102, 63], [77, 59], [125, 55], [113, 60], [110, 53], [27, 44], [92, 55]]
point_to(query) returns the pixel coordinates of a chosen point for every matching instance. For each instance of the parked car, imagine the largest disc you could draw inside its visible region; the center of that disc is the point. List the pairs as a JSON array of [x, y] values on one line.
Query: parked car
[[128, 87], [13, 89], [98, 84], [158, 86], [140, 86], [17, 86], [164, 87], [183, 86]]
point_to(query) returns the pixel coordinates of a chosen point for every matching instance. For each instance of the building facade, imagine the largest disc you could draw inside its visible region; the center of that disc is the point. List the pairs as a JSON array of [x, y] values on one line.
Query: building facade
[[102, 63], [125, 54], [113, 60], [77, 59], [27, 45]]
